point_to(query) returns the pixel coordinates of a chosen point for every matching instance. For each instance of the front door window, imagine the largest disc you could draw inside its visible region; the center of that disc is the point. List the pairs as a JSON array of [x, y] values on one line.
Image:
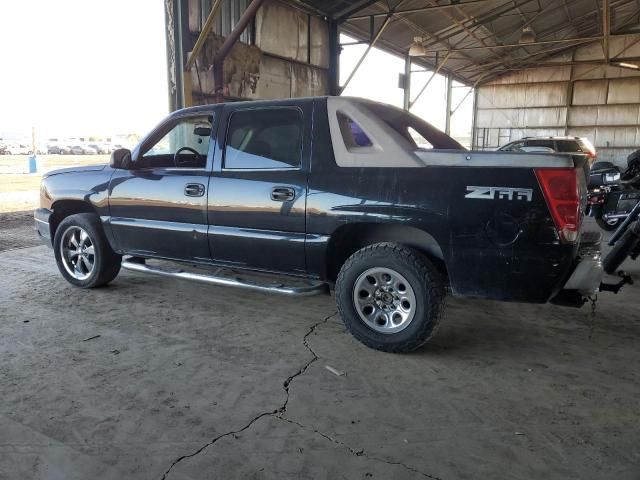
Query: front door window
[[185, 145]]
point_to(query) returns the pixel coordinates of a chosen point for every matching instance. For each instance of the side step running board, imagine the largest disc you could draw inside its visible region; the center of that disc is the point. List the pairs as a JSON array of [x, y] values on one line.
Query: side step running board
[[301, 291]]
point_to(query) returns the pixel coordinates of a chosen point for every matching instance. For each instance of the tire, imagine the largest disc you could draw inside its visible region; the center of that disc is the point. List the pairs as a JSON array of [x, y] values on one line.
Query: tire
[[609, 227], [413, 279], [70, 246]]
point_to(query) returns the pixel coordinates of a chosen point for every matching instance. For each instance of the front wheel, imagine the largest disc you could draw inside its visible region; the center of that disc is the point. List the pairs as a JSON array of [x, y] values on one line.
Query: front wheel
[[83, 254], [390, 297], [609, 225]]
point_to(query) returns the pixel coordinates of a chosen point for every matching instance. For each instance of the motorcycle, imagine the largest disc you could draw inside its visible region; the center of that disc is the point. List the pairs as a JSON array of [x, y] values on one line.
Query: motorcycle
[[626, 243], [613, 194]]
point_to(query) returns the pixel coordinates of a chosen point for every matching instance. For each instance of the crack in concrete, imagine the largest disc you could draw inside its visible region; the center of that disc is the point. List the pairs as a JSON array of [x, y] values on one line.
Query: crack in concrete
[[219, 437], [353, 451], [275, 413], [279, 414], [305, 342]]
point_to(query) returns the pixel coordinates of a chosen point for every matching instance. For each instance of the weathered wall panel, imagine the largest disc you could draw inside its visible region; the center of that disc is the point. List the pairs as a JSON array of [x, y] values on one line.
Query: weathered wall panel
[[590, 92], [275, 79], [290, 56], [599, 102], [523, 95], [282, 30], [624, 90], [319, 42]]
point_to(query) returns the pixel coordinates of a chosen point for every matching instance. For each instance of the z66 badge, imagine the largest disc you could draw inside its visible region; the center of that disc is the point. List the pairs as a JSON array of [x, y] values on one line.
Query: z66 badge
[[499, 193]]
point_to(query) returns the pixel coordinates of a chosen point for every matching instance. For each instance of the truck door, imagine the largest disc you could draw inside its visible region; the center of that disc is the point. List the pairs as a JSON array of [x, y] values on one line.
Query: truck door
[[258, 187], [159, 207]]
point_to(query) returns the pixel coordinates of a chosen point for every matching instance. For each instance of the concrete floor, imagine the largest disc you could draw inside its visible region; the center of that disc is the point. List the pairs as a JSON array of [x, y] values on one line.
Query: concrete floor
[[151, 378]]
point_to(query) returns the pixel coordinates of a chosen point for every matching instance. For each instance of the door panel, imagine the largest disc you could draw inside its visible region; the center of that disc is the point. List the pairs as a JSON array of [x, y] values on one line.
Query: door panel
[[159, 207], [151, 215], [257, 215]]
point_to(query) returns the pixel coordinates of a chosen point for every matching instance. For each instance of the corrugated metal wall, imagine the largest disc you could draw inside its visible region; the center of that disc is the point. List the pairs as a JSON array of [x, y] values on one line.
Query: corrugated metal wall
[[599, 102], [289, 56]]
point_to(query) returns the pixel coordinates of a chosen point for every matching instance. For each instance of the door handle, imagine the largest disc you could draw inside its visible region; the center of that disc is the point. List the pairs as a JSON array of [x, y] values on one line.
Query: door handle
[[282, 194], [194, 190]]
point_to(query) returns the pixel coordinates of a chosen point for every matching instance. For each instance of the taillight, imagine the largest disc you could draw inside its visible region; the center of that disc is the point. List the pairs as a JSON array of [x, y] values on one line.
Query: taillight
[[560, 189]]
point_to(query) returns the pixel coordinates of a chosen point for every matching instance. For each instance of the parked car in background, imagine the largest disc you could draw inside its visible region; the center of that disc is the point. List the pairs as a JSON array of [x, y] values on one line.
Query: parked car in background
[[83, 150], [17, 149], [58, 149], [101, 148], [574, 145]]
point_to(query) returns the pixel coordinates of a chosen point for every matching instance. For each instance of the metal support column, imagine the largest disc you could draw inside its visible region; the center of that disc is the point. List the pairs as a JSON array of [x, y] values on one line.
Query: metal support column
[[406, 101], [334, 58], [179, 52], [474, 121], [606, 27], [447, 127]]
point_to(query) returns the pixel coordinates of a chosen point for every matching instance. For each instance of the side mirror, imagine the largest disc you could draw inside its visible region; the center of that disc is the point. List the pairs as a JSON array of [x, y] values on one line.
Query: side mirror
[[120, 158]]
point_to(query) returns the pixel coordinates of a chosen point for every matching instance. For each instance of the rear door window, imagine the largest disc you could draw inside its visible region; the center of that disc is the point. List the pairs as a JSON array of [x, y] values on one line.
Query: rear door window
[[568, 146], [541, 143], [268, 138]]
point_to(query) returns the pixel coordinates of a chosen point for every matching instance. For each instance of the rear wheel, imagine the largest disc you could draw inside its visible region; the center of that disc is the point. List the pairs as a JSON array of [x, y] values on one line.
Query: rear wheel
[[82, 252], [390, 297]]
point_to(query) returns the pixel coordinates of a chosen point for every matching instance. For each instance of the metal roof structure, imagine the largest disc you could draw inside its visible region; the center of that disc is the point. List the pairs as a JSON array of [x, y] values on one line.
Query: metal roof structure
[[478, 40]]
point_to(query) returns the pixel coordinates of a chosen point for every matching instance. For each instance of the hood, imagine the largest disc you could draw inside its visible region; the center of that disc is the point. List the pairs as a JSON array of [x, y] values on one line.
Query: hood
[[78, 169]]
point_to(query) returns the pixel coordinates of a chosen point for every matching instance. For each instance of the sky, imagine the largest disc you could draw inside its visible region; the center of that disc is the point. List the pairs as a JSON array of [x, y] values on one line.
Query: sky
[[96, 67], [82, 67], [377, 78]]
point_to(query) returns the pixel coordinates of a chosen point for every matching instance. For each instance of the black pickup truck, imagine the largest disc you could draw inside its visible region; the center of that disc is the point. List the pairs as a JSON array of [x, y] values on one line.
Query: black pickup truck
[[331, 193]]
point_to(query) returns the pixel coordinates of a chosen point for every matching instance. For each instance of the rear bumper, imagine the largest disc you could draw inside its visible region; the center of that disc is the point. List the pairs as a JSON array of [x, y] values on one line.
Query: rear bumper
[[587, 274], [42, 217]]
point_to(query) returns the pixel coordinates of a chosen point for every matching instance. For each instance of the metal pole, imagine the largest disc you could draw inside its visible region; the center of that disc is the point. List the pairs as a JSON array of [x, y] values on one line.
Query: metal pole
[[433, 75], [474, 121], [525, 45], [606, 26], [447, 127], [179, 57], [366, 52], [334, 58], [406, 102], [466, 95], [417, 10]]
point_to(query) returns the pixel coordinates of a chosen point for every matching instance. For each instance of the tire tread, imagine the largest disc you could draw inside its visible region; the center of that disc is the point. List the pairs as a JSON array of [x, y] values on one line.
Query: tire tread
[[435, 291]]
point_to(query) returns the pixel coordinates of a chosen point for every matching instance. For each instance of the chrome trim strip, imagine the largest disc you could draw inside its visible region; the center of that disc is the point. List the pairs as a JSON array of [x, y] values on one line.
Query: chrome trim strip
[[305, 291], [159, 225]]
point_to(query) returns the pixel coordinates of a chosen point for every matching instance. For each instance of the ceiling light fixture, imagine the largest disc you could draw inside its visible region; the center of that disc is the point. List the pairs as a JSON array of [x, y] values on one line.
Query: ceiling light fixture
[[629, 65], [417, 48], [527, 36]]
